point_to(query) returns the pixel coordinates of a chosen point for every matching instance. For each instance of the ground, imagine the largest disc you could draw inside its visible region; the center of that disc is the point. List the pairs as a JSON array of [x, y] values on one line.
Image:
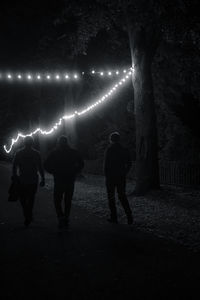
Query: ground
[[172, 212], [156, 258]]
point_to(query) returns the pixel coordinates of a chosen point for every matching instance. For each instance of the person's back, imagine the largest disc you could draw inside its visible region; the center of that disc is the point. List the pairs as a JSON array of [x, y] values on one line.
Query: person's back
[[26, 165], [64, 163], [117, 161], [28, 160]]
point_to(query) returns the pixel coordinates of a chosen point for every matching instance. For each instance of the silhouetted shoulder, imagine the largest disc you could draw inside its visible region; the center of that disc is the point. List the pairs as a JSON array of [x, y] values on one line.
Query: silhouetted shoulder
[[23, 156]]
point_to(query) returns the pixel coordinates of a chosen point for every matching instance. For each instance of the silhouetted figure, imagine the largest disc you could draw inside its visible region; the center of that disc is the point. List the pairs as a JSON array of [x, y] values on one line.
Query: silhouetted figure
[[26, 165], [64, 163], [117, 163]]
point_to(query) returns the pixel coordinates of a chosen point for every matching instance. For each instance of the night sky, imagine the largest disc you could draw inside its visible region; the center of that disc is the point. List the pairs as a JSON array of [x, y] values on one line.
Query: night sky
[[22, 25]]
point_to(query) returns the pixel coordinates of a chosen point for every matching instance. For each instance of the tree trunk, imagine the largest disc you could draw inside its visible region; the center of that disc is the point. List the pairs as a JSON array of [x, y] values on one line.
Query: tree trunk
[[147, 170]]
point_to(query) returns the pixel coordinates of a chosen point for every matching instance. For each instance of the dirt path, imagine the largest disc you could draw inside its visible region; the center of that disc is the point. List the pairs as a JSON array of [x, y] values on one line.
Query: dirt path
[[93, 260]]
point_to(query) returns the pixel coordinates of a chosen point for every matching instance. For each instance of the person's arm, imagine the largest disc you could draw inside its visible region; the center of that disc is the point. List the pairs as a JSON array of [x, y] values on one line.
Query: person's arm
[[105, 162], [41, 171], [128, 161], [15, 166]]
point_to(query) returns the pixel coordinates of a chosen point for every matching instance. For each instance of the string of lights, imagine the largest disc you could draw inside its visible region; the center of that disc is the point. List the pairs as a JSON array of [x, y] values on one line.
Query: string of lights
[[56, 76], [104, 98]]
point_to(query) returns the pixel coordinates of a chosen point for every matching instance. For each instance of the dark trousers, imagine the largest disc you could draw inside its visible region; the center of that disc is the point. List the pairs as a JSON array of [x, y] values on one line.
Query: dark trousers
[[119, 184], [27, 197], [63, 191]]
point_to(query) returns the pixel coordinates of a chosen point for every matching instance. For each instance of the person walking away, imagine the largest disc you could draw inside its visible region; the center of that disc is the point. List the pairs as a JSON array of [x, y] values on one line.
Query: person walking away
[[117, 163], [26, 165], [64, 163]]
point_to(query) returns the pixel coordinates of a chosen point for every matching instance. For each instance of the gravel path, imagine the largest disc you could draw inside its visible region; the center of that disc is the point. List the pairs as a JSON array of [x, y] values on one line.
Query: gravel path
[[95, 259], [172, 212]]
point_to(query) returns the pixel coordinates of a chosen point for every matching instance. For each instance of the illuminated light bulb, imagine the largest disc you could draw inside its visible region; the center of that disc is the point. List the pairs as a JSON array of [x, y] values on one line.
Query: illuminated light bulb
[[19, 76], [127, 76], [66, 76], [106, 97], [58, 76]]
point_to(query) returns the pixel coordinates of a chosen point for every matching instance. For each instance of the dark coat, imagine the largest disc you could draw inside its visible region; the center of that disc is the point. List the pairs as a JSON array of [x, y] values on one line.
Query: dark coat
[[117, 161], [64, 163], [28, 161]]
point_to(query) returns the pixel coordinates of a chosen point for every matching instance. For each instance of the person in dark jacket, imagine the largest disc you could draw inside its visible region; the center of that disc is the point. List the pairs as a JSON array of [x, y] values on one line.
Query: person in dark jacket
[[26, 165], [64, 163], [117, 163]]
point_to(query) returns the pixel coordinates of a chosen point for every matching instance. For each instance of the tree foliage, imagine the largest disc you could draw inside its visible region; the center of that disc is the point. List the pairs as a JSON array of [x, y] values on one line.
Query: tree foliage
[[95, 33]]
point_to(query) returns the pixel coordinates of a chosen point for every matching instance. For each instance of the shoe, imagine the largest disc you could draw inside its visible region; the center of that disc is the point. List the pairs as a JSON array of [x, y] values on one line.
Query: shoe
[[111, 220]]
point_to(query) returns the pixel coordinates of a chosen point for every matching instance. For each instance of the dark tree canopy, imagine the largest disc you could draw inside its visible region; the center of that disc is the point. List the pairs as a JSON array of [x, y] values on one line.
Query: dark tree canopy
[[106, 34]]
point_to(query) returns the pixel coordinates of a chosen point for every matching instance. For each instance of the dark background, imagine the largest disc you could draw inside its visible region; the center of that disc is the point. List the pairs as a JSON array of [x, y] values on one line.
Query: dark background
[[34, 38]]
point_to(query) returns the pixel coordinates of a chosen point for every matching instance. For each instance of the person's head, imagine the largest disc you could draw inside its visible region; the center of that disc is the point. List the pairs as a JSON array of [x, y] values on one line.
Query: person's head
[[114, 137], [28, 142], [62, 141]]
